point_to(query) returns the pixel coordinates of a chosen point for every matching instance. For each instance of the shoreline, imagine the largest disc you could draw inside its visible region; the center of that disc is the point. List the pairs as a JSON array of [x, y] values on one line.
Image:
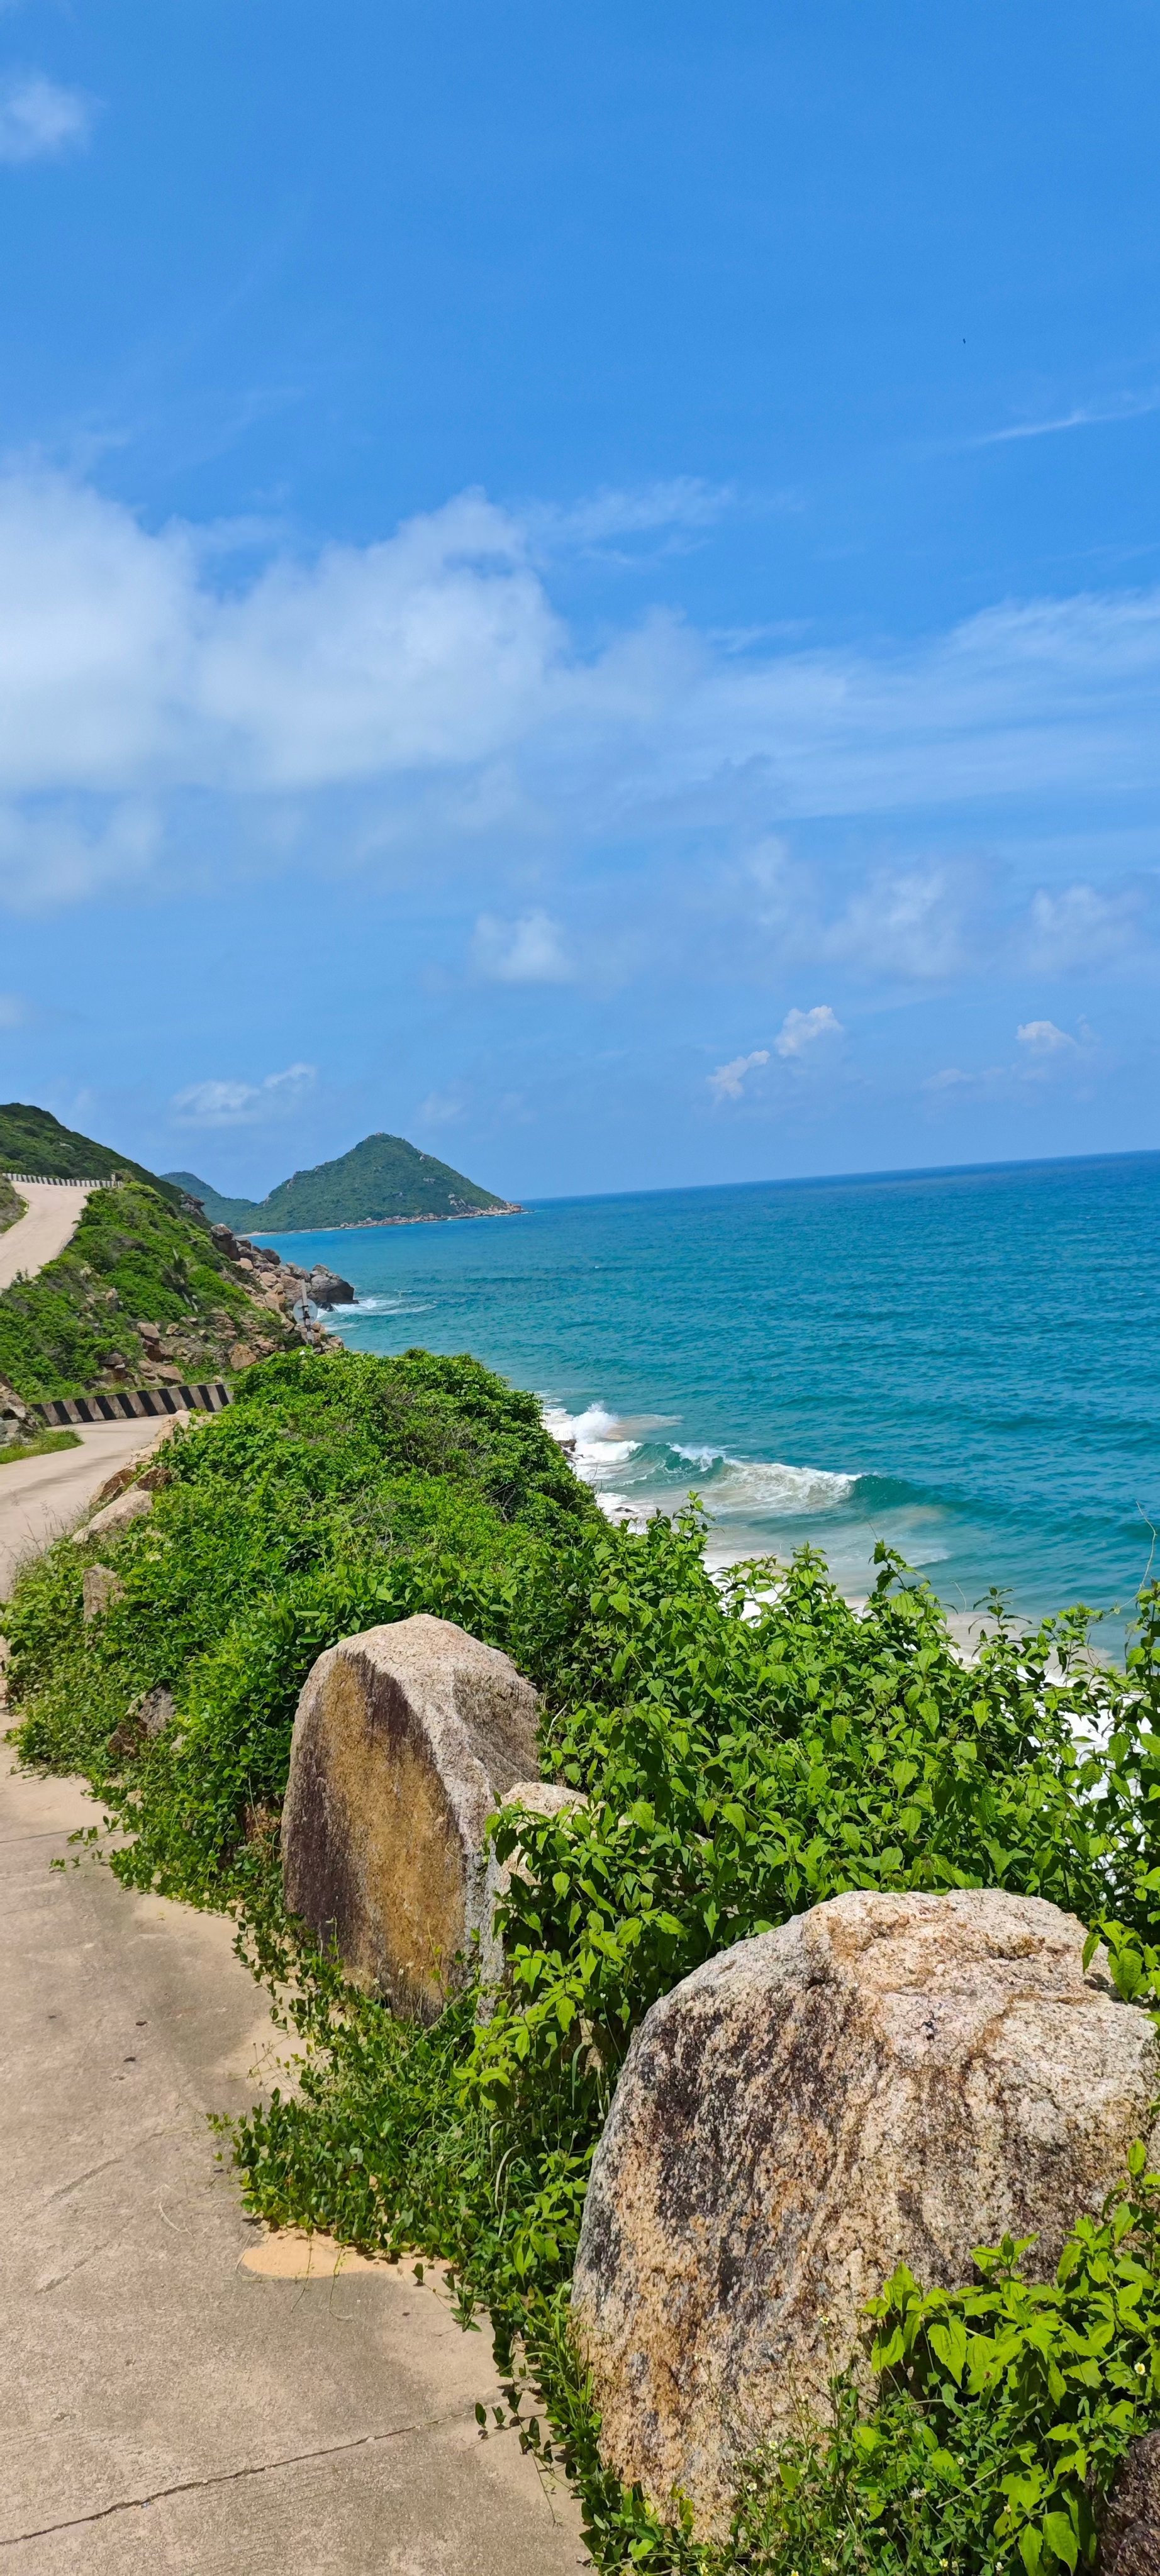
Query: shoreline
[[371, 1224]]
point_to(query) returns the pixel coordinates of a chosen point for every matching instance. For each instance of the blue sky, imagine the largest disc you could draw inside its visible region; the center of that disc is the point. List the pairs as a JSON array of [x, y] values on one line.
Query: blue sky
[[582, 584]]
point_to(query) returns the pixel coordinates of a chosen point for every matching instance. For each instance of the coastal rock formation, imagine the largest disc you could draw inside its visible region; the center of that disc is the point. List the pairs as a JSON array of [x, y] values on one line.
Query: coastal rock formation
[[406, 1739], [325, 1288], [1130, 2537], [889, 2078]]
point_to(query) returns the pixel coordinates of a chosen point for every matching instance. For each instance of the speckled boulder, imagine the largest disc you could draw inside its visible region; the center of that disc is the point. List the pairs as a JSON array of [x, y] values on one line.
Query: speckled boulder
[[885, 2079], [406, 1739], [1130, 2538]]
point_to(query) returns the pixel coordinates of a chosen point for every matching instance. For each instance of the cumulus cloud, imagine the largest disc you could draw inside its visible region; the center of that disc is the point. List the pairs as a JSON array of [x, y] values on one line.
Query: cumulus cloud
[[527, 951], [1041, 1037], [39, 119], [243, 1104], [801, 1030], [728, 1083], [422, 695]]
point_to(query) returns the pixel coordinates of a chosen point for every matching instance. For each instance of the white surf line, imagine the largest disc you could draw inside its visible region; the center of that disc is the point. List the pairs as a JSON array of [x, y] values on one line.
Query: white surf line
[[52, 1213]]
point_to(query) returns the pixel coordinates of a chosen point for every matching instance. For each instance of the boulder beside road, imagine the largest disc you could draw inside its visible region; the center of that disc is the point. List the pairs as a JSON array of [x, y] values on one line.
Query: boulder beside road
[[889, 2078], [407, 1737]]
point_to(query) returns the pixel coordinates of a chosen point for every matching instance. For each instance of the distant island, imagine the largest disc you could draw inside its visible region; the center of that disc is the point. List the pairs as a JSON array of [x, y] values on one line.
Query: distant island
[[383, 1181]]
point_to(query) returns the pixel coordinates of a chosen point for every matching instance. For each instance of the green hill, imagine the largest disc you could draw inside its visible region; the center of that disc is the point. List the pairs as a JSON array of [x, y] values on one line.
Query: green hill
[[383, 1181], [33, 1141], [220, 1211]]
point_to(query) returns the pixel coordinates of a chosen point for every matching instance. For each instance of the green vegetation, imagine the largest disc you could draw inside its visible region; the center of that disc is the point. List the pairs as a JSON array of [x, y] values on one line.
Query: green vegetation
[[132, 1259], [33, 1141], [45, 1442], [11, 1204], [739, 1767], [218, 1210], [383, 1177]]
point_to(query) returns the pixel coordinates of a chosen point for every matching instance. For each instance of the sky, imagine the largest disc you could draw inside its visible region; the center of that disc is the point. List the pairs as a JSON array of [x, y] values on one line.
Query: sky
[[581, 584]]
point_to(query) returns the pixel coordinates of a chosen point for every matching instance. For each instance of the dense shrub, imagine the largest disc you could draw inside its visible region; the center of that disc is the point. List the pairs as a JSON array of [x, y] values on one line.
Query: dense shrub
[[746, 1750]]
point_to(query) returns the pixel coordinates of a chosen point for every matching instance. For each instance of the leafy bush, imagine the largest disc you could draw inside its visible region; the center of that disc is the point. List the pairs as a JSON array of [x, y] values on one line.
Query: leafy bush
[[746, 1751], [1003, 2413]]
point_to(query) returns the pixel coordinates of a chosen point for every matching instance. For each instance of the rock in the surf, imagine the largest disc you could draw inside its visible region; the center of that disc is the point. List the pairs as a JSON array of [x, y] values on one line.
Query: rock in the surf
[[890, 2078], [407, 1738]]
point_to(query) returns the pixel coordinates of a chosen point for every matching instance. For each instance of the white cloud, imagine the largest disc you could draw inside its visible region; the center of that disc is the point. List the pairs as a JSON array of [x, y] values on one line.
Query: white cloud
[[683, 503], [439, 1108], [14, 1011], [1077, 926], [1082, 416], [243, 1104], [39, 119], [728, 1083], [1049, 1055], [527, 951], [420, 698], [801, 1030], [1041, 1037]]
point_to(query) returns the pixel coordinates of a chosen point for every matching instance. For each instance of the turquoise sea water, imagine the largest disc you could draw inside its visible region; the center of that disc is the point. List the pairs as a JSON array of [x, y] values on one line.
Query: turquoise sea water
[[966, 1363]]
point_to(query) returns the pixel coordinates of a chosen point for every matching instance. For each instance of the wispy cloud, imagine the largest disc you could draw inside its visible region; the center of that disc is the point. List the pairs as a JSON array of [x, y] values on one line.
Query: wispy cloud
[[243, 1104], [728, 1083], [682, 504], [528, 951], [14, 1011], [40, 119], [1084, 416], [1049, 1054]]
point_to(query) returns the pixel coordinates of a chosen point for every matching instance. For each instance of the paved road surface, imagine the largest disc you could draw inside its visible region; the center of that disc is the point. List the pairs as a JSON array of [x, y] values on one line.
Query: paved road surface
[[167, 2411], [40, 1497], [52, 1212]]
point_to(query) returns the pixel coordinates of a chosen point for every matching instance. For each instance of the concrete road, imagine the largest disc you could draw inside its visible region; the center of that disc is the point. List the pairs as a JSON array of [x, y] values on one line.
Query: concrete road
[[168, 2411], [52, 1213], [40, 1497]]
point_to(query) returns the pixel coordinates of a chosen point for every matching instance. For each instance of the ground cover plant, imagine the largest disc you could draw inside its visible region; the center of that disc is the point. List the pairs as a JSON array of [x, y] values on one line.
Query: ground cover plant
[[11, 1451], [747, 1751]]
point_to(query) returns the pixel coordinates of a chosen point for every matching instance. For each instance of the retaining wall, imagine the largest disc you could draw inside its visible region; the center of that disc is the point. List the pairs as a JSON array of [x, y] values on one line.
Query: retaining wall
[[122, 1404]]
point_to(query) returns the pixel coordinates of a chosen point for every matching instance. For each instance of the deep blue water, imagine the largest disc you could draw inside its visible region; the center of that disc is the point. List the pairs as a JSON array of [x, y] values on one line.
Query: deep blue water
[[966, 1363]]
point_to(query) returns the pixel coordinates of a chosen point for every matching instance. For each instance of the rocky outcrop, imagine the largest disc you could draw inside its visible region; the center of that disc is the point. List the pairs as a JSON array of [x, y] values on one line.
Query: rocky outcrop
[[147, 1720], [100, 1588], [1130, 2537], [886, 2079], [325, 1288], [405, 1740]]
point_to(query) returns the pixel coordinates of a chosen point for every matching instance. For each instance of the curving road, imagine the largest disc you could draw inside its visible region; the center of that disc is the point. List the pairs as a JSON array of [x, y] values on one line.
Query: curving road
[[52, 1213]]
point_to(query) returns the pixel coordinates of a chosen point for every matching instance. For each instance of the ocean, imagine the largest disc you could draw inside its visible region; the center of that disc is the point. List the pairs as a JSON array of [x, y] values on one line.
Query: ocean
[[964, 1363]]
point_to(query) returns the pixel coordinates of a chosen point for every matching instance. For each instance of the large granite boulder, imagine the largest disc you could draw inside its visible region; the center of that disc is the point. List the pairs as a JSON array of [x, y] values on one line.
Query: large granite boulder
[[886, 2079], [406, 1739], [1130, 2537]]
